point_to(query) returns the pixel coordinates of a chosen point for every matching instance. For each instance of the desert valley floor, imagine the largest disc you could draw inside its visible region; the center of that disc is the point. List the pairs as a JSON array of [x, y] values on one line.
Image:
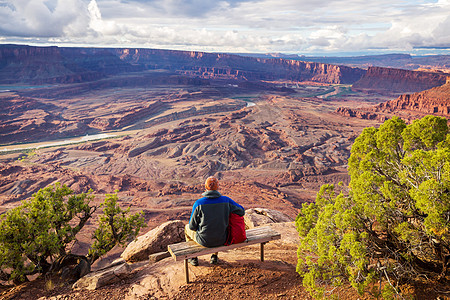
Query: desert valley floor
[[269, 149], [155, 136]]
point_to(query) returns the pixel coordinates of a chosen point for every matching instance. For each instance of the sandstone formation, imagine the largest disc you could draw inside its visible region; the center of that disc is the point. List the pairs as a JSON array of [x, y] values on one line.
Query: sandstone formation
[[360, 113], [154, 241], [25, 119], [255, 217], [390, 80], [434, 101], [39, 65], [128, 117], [281, 149], [107, 276], [227, 66]]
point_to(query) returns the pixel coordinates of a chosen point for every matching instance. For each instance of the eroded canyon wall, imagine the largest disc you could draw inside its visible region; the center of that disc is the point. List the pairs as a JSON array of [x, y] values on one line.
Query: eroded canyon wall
[[38, 65], [434, 101], [43, 65], [214, 65], [398, 81]]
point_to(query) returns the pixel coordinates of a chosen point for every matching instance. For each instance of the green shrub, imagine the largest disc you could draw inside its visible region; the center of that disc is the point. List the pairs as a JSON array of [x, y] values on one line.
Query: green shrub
[[115, 227], [392, 222], [34, 237]]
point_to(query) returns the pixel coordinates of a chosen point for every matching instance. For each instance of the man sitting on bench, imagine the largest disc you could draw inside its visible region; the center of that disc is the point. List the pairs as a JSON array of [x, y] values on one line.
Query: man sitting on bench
[[209, 219]]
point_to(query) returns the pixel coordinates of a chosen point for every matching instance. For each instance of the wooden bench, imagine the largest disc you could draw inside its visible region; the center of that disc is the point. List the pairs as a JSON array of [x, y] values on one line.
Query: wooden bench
[[186, 250]]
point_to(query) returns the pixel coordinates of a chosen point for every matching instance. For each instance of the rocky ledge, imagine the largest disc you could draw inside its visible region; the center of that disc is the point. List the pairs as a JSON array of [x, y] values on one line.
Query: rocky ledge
[[145, 263]]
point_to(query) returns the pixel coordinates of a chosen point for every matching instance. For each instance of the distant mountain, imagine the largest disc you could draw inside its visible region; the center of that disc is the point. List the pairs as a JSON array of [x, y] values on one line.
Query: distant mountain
[[42, 65], [401, 61]]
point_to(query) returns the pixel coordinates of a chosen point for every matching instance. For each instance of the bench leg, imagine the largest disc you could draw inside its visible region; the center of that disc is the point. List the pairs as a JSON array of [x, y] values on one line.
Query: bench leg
[[186, 270], [262, 251]]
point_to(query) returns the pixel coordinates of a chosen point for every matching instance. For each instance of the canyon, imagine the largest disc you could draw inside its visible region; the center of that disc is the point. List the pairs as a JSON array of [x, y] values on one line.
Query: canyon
[[273, 130], [57, 92], [278, 127]]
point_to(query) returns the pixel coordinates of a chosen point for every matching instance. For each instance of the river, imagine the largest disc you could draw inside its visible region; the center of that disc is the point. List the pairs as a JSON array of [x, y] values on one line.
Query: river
[[69, 141]]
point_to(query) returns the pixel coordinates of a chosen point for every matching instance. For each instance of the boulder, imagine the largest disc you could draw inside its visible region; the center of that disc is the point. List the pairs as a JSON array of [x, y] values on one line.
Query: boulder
[[155, 257], [255, 217], [103, 277], [154, 241]]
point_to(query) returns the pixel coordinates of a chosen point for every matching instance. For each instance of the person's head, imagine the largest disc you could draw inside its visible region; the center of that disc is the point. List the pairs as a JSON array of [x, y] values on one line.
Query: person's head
[[212, 184]]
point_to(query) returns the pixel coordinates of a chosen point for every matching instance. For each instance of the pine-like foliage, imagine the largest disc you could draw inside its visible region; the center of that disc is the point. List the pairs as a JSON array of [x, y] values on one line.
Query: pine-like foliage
[[34, 236], [392, 222]]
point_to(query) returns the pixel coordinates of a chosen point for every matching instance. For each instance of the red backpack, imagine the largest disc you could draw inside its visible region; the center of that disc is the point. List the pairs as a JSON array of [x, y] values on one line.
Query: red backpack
[[236, 230]]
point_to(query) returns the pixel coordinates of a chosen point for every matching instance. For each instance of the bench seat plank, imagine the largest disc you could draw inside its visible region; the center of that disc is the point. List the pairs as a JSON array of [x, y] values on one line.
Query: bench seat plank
[[185, 250]]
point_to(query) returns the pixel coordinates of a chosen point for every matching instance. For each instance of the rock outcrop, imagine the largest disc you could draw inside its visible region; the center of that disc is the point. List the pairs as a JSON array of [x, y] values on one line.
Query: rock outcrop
[[360, 114], [388, 80], [154, 241], [433, 101], [25, 119], [128, 117], [109, 275], [255, 217]]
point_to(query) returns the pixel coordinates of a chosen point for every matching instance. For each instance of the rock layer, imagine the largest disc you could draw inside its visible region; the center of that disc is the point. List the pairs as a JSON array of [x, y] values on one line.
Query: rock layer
[[433, 101], [227, 66], [38, 65], [398, 81]]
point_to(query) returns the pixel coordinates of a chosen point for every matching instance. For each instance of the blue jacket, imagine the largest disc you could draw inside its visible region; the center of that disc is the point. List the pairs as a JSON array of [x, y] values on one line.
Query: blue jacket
[[210, 216]]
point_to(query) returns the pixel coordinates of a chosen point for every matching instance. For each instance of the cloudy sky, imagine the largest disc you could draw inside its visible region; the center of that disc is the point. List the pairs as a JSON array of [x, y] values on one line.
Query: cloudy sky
[[289, 26]]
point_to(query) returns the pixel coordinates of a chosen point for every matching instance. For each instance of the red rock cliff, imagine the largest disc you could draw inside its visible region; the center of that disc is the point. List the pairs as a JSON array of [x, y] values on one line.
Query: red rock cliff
[[39, 65], [213, 65], [36, 65], [398, 80], [432, 101], [435, 101]]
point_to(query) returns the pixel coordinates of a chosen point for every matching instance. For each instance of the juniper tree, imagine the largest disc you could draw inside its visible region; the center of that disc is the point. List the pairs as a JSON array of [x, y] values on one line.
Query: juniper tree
[[393, 220], [34, 236]]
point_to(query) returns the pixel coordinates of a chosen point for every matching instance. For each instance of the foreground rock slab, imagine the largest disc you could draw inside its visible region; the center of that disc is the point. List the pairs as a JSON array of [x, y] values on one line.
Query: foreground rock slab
[[103, 277], [154, 241]]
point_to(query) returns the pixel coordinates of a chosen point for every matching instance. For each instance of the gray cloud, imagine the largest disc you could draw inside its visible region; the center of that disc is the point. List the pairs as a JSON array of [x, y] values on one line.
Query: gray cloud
[[295, 26], [38, 18], [189, 8]]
